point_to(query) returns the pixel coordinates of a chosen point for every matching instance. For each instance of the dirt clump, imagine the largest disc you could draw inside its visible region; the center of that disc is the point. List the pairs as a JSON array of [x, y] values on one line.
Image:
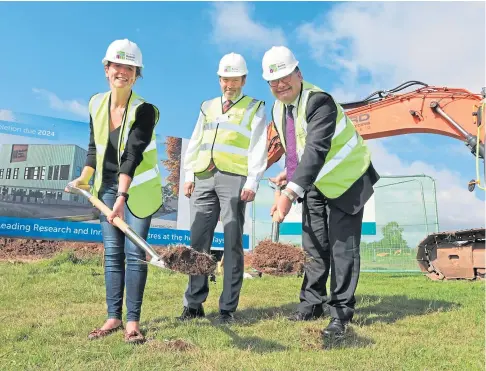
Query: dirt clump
[[176, 345], [22, 249], [277, 258], [186, 260], [311, 339]]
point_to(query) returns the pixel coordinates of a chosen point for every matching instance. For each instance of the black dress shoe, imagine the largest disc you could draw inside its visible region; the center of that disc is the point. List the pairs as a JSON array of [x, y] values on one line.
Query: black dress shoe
[[336, 329], [225, 317], [191, 313], [299, 316]]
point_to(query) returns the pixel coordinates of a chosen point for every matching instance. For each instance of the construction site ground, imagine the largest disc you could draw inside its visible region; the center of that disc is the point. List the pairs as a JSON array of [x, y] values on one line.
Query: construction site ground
[[19, 249], [402, 321]]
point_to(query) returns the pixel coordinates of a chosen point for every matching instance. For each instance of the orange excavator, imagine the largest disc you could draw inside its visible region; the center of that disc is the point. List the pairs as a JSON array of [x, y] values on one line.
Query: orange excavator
[[453, 112]]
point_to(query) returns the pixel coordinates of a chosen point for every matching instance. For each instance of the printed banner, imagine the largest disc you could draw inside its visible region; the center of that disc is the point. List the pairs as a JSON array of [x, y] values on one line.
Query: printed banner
[[40, 155]]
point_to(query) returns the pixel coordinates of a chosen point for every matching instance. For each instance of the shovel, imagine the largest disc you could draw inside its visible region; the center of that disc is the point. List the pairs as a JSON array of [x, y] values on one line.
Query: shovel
[[83, 190], [275, 223], [276, 258], [181, 259]]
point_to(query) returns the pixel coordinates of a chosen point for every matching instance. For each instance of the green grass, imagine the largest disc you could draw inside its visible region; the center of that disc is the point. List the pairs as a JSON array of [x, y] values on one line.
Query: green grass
[[403, 322]]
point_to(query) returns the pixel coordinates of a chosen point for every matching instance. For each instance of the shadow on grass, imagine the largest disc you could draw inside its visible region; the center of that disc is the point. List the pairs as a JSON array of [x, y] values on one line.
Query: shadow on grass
[[250, 316], [251, 343], [389, 309], [311, 338], [369, 309]]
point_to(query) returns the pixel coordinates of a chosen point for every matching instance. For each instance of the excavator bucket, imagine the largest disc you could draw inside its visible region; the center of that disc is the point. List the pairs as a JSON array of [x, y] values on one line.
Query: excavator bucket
[[453, 255]]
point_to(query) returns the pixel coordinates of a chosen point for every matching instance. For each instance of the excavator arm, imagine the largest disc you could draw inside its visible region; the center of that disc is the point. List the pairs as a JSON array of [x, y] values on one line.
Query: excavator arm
[[445, 111], [452, 112]]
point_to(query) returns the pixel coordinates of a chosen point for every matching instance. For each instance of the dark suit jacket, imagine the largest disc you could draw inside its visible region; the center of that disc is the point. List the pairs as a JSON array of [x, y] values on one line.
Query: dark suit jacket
[[321, 116]]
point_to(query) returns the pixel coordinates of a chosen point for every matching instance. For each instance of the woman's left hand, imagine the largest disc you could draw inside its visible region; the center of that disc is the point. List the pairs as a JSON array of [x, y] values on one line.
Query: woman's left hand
[[118, 210]]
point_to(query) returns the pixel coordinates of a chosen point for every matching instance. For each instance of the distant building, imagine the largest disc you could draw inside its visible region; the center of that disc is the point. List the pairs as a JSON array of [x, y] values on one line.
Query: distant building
[[39, 172]]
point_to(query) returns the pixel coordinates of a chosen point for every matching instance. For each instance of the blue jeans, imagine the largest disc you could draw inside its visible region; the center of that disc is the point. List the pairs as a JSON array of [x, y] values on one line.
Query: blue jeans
[[117, 248]]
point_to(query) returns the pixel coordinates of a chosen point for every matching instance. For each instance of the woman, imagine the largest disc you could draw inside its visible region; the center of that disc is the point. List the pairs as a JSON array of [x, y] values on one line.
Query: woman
[[122, 156]]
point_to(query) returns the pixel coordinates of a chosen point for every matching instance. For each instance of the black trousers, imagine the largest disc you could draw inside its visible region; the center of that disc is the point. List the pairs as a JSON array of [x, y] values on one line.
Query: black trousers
[[331, 240]]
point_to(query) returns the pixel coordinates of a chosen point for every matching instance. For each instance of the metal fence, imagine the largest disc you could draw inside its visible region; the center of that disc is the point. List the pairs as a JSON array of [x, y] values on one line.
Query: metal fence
[[405, 212]]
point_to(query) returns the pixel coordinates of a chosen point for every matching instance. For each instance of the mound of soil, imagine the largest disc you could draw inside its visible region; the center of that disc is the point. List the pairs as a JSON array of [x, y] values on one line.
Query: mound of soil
[[278, 259], [183, 259], [21, 249], [177, 345]]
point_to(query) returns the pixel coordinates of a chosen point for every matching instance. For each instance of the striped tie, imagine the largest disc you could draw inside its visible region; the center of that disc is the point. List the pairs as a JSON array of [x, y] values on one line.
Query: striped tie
[[227, 105]]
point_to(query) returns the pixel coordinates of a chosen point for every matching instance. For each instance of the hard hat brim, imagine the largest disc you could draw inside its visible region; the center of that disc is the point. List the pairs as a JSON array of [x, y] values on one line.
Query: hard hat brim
[[128, 63], [231, 74], [279, 74]]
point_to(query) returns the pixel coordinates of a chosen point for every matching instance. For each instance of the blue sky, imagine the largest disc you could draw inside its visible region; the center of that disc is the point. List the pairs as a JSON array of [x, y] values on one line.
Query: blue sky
[[52, 64]]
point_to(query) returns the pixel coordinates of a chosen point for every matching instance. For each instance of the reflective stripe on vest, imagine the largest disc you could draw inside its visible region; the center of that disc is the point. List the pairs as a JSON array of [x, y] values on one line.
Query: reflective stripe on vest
[[226, 137], [348, 157], [145, 191]]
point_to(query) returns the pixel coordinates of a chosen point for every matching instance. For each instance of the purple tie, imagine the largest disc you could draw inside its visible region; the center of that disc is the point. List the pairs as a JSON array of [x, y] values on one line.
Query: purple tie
[[291, 158]]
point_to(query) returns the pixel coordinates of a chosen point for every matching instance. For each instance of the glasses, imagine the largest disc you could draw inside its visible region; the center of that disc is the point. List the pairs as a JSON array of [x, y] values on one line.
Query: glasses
[[285, 80]]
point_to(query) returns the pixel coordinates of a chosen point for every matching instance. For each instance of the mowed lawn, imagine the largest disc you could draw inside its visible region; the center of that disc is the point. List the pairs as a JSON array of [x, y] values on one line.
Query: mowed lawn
[[403, 322]]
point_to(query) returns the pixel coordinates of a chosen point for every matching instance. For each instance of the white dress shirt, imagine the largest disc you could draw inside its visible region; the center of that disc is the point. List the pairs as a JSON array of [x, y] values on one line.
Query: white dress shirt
[[293, 186], [257, 151]]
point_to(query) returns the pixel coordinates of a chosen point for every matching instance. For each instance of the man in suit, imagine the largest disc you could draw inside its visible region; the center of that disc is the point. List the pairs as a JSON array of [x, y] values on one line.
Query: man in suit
[[328, 168], [224, 162]]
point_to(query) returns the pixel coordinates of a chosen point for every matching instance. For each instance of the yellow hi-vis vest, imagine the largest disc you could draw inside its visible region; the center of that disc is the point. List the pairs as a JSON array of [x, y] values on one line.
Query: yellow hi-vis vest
[[145, 192], [348, 157], [226, 137]]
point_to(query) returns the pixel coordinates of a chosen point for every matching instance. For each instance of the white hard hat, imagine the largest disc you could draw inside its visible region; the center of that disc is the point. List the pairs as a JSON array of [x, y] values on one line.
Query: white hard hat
[[278, 62], [123, 52], [232, 65]]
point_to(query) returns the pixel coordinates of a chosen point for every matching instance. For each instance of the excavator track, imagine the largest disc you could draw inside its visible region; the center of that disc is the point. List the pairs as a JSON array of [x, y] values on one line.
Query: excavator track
[[453, 255]]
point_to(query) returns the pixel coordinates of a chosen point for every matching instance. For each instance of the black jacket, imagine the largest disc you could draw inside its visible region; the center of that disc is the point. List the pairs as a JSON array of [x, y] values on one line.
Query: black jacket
[[139, 138], [321, 114]]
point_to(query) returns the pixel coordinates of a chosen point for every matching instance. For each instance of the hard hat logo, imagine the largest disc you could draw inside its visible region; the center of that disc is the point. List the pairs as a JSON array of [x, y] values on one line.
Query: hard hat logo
[[232, 69], [125, 56], [277, 67]]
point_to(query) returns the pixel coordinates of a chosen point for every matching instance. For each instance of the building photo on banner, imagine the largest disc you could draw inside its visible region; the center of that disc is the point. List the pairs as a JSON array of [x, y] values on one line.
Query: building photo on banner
[[40, 155]]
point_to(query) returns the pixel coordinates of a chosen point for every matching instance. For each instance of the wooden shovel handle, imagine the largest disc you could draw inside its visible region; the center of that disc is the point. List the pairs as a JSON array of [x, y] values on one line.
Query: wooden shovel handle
[[84, 187], [107, 211]]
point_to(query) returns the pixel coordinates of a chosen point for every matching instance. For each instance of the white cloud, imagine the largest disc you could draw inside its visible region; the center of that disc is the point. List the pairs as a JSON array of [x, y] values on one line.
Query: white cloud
[[394, 42], [233, 27], [57, 103], [7, 115], [458, 208]]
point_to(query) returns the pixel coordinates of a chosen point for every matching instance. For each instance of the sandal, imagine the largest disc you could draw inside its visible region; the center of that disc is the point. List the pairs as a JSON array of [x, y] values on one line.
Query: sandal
[[99, 333], [134, 337]]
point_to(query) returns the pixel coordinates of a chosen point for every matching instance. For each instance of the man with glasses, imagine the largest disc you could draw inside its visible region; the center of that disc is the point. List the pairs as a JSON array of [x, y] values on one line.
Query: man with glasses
[[328, 168], [224, 162]]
